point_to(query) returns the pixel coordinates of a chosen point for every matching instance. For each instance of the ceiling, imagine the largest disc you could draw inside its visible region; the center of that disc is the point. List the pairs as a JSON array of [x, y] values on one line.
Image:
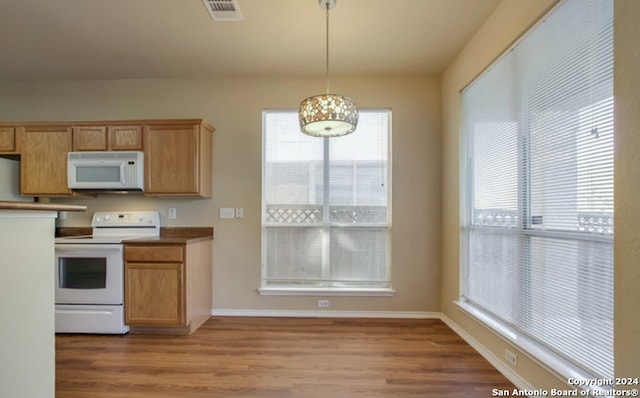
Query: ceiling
[[129, 39]]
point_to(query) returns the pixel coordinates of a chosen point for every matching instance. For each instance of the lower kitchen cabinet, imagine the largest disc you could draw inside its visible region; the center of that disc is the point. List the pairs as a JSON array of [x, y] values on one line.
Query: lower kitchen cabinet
[[167, 286], [154, 294]]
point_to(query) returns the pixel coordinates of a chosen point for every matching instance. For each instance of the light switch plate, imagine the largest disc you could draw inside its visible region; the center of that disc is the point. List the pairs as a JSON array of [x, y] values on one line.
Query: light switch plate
[[227, 213]]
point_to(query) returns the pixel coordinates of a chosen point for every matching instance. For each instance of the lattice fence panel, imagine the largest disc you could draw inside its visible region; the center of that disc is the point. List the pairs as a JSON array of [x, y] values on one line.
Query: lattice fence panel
[[359, 215], [289, 214], [601, 223], [496, 218]]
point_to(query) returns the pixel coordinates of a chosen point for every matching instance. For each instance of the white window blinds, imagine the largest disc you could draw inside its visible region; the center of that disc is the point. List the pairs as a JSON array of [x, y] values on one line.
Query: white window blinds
[[538, 232], [325, 204]]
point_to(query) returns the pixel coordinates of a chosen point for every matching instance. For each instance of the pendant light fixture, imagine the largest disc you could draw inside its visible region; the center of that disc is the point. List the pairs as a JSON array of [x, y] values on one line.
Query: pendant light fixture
[[328, 115]]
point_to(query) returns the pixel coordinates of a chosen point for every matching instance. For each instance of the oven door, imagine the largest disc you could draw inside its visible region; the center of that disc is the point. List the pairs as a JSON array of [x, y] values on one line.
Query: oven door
[[89, 274]]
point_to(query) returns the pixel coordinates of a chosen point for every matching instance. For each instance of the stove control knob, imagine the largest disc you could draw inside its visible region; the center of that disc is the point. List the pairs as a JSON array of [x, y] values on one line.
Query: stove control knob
[[106, 217], [98, 220]]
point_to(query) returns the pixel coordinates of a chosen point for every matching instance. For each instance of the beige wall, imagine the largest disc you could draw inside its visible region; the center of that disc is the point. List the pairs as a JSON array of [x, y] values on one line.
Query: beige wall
[[234, 107], [508, 22]]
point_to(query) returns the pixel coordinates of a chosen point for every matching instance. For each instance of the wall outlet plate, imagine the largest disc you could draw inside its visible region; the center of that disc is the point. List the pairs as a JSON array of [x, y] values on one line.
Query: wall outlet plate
[[323, 303], [511, 357]]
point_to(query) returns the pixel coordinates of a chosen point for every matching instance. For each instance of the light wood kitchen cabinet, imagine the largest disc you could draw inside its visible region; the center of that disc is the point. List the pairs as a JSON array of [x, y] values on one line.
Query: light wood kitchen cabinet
[[154, 294], [43, 166], [125, 138], [90, 138], [8, 140], [167, 286], [178, 152], [178, 159], [107, 138]]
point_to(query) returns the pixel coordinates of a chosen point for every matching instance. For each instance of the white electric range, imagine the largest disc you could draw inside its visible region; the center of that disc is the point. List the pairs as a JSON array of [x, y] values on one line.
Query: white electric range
[[89, 289]]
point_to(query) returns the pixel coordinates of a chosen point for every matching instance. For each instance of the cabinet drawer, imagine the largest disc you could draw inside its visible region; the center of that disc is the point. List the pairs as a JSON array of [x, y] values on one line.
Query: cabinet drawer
[[154, 253]]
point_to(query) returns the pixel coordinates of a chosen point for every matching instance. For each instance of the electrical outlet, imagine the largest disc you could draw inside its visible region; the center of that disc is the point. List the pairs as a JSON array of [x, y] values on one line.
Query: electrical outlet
[[323, 303], [511, 357], [172, 213], [239, 212]]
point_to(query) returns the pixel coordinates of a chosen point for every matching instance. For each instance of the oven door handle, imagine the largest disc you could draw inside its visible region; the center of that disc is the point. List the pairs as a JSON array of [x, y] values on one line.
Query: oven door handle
[[83, 309]]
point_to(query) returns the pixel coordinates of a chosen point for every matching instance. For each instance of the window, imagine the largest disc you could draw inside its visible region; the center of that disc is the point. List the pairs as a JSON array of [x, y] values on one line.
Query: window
[[538, 182], [326, 212]]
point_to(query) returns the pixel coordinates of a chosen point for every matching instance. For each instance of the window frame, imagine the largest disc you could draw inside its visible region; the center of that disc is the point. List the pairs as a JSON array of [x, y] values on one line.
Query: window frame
[[524, 231], [326, 225]]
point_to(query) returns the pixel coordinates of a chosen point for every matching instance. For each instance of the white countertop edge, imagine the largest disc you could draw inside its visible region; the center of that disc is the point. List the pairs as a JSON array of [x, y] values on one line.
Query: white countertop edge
[[28, 214]]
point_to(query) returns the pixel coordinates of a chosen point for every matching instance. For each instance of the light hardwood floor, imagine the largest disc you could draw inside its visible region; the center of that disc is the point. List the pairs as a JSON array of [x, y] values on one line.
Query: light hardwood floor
[[278, 357]]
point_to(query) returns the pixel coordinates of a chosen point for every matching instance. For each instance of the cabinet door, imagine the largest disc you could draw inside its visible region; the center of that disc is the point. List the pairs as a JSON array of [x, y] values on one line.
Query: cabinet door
[[43, 166], [154, 294], [125, 138], [90, 138], [8, 139], [172, 160]]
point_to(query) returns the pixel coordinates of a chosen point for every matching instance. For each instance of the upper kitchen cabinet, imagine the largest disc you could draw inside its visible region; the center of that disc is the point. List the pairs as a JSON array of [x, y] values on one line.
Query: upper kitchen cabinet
[[90, 138], [8, 140], [178, 158], [43, 168], [178, 152], [125, 138], [107, 138]]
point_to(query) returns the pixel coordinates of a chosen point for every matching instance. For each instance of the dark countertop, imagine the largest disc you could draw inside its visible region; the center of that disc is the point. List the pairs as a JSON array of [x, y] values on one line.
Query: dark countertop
[[175, 235], [11, 205], [168, 235]]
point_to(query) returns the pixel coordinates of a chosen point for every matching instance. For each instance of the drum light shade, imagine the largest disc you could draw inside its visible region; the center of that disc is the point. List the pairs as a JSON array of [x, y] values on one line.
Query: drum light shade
[[328, 115]]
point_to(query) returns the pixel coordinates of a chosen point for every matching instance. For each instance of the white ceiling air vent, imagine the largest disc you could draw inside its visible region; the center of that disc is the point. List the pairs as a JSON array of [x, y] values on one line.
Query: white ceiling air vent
[[223, 10]]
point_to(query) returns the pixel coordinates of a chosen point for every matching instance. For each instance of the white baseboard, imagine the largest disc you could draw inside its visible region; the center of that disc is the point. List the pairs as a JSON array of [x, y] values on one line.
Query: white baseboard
[[496, 362], [327, 314]]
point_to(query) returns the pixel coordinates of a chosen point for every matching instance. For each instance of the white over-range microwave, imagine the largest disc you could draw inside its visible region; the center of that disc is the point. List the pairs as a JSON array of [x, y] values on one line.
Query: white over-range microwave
[[106, 170]]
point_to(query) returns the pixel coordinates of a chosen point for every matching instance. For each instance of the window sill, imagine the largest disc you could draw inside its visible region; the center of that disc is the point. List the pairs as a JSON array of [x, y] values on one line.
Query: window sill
[[552, 362], [291, 291]]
